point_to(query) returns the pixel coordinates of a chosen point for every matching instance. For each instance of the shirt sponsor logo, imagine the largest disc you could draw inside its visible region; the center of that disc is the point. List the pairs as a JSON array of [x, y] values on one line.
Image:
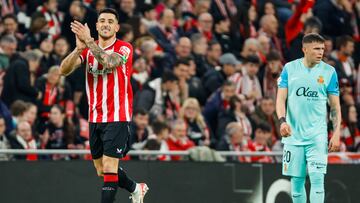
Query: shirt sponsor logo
[[306, 92]]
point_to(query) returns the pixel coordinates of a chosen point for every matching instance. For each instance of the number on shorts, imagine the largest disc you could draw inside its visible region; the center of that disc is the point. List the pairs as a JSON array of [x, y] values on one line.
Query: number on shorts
[[287, 156]]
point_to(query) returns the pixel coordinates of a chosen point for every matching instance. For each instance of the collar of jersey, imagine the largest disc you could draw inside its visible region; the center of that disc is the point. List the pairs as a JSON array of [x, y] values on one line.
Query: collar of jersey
[[108, 45]]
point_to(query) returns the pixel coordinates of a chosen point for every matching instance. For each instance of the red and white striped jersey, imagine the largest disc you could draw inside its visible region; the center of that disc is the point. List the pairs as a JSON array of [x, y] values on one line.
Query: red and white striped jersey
[[109, 91]]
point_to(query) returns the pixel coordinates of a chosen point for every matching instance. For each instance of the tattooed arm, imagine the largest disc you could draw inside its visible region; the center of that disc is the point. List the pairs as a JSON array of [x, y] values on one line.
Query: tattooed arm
[[107, 60], [335, 115]]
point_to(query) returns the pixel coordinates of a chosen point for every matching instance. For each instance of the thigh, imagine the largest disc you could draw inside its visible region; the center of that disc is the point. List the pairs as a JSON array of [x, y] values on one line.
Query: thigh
[[316, 157], [116, 139], [294, 162], [95, 141]]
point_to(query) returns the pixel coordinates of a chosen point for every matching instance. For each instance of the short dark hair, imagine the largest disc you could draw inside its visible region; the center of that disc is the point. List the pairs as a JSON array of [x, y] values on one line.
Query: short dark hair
[[265, 127], [168, 76], [273, 56], [159, 126], [183, 61], [10, 15], [313, 22], [109, 10], [141, 111], [343, 40], [252, 59], [312, 37]]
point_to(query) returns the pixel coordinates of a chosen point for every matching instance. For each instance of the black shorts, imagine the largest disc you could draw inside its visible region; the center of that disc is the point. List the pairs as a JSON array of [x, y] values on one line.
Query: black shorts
[[110, 139]]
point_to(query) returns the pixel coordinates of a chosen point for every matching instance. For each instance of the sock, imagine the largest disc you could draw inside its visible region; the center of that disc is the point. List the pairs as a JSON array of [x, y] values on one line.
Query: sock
[[317, 192], [125, 182], [110, 187], [298, 192]]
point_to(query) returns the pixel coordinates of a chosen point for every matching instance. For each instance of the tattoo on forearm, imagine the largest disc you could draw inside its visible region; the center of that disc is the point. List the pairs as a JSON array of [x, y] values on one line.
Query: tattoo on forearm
[[114, 60], [98, 53], [108, 61]]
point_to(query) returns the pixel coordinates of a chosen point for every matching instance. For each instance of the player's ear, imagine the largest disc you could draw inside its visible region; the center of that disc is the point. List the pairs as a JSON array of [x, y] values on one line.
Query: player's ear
[[117, 27]]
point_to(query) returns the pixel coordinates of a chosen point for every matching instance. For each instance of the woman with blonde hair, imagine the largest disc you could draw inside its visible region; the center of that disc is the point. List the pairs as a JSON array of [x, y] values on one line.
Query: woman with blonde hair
[[197, 129]]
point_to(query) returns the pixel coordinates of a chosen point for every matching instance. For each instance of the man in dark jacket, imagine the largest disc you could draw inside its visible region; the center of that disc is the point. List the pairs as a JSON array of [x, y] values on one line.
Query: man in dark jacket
[[17, 81]]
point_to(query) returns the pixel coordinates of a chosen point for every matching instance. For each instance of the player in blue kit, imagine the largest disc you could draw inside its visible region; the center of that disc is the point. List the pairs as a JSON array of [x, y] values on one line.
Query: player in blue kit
[[305, 87]]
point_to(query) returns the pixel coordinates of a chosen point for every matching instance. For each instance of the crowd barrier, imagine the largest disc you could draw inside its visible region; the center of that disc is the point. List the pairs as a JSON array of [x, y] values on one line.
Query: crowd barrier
[[169, 182]]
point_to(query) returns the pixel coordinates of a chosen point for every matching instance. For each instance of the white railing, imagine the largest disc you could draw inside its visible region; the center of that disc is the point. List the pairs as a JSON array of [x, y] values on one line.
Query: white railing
[[147, 152]]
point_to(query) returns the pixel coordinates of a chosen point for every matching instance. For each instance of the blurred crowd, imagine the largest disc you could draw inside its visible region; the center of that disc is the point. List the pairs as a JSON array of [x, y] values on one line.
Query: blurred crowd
[[204, 71]]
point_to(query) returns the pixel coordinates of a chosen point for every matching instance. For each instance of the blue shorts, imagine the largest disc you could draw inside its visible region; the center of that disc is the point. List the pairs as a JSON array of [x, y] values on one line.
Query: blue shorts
[[297, 157]]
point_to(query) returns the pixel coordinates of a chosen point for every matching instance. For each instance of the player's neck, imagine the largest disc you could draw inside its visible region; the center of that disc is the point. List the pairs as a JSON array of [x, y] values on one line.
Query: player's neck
[[103, 43], [308, 64]]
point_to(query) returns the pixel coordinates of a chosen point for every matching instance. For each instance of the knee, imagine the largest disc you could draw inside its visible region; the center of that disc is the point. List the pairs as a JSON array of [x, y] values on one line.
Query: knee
[[297, 185], [316, 179], [109, 166]]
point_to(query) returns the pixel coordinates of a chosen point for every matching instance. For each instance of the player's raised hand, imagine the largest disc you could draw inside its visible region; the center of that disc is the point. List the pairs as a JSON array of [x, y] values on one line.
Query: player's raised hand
[[334, 143], [285, 130], [82, 31], [79, 44]]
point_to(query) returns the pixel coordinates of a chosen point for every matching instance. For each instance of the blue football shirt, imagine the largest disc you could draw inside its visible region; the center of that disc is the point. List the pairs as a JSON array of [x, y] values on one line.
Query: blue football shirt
[[308, 90]]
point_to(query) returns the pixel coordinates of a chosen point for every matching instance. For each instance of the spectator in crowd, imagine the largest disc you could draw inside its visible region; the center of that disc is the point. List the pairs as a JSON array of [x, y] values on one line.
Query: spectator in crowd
[[23, 139], [213, 55], [165, 33], [161, 135], [58, 133], [159, 97], [350, 133], [50, 93], [264, 48], [199, 48], [8, 46], [251, 47], [126, 33], [181, 71], [335, 16], [53, 18], [311, 24], [126, 10], [37, 31], [222, 34], [19, 81], [250, 84], [18, 109], [344, 63], [265, 113], [31, 113], [183, 48], [234, 140], [269, 27], [149, 16], [234, 114], [98, 5], [48, 59], [197, 129], [11, 25], [271, 73], [204, 27], [245, 22], [213, 79], [140, 129], [178, 140], [61, 48], [261, 143], [78, 11], [4, 141], [218, 102]]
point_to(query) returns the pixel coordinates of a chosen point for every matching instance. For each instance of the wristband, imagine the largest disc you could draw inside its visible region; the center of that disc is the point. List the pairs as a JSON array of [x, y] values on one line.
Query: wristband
[[282, 120]]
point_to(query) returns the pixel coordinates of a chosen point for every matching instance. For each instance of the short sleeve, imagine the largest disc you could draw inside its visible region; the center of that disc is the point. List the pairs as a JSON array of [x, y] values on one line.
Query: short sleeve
[[333, 86], [283, 79]]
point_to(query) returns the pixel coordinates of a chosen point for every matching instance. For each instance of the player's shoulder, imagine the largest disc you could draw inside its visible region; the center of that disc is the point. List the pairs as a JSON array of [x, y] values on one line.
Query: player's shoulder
[[119, 43], [327, 67], [292, 64]]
